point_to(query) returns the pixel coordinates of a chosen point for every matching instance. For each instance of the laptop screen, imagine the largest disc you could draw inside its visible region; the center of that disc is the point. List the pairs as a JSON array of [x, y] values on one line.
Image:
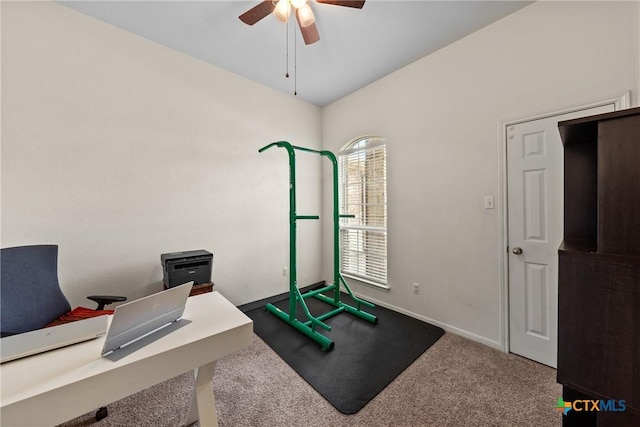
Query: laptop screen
[[136, 319]]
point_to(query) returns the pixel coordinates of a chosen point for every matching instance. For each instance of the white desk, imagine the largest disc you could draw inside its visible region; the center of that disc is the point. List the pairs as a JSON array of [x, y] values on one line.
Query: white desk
[[53, 387]]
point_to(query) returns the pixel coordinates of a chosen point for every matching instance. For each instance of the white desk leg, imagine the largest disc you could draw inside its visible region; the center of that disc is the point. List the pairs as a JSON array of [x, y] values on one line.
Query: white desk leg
[[203, 404]]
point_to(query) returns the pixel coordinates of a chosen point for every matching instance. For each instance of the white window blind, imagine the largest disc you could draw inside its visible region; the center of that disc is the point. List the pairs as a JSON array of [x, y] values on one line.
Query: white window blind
[[363, 193]]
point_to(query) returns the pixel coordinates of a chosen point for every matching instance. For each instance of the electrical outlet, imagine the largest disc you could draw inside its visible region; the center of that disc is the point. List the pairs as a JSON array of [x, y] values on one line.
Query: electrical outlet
[[416, 288], [285, 272]]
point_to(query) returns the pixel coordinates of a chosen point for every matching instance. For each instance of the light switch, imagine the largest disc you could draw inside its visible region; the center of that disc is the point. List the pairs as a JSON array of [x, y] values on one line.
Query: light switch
[[489, 202]]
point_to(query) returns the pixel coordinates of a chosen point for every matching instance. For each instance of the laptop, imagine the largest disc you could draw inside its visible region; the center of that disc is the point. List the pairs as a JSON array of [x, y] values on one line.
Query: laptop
[[140, 318], [33, 342]]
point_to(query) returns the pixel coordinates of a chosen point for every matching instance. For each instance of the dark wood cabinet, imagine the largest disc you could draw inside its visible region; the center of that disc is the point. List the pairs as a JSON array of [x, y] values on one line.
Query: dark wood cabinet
[[599, 266], [619, 186]]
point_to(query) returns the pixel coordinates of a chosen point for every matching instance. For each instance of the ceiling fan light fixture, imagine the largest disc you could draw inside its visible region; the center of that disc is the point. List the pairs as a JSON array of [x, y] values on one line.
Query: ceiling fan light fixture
[[305, 16], [282, 10]]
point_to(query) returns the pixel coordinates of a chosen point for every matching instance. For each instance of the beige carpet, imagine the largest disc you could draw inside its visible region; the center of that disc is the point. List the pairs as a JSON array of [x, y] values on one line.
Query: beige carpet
[[456, 382]]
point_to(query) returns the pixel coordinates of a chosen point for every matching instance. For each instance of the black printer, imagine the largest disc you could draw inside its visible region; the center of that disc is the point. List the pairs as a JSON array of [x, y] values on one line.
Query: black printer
[[182, 267]]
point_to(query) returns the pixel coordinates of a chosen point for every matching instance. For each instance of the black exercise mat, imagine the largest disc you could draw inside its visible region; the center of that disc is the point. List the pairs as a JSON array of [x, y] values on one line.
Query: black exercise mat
[[365, 359]]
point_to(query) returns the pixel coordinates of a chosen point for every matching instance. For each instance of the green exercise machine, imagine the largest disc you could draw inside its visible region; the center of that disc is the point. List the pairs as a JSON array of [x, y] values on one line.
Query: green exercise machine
[[309, 327]]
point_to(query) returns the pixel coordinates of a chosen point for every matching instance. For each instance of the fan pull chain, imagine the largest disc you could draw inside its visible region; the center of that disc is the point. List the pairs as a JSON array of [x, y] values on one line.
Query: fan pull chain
[[295, 64], [287, 50]]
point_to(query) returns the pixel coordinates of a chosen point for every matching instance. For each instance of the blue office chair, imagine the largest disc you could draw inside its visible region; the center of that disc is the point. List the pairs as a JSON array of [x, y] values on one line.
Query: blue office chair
[[30, 295]]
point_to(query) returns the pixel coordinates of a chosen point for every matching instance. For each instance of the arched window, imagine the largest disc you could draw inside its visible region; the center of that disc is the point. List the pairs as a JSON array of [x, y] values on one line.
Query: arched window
[[363, 193]]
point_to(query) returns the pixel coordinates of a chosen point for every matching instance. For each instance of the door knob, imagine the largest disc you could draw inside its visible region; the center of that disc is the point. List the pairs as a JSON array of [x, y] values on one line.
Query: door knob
[[517, 250]]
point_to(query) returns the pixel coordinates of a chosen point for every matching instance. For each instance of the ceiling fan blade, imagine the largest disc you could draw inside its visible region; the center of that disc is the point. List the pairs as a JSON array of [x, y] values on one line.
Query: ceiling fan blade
[[310, 33], [347, 3], [257, 12]]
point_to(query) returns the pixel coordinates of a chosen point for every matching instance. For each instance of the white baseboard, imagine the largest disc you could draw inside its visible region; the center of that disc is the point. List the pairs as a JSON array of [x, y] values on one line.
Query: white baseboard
[[445, 326]]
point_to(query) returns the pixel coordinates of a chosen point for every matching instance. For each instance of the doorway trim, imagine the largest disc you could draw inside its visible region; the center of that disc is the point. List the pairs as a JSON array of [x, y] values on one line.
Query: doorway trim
[[620, 102]]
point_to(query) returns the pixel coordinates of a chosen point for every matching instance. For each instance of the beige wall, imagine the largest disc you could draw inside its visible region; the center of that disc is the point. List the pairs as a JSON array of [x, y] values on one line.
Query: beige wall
[[118, 149], [441, 118]]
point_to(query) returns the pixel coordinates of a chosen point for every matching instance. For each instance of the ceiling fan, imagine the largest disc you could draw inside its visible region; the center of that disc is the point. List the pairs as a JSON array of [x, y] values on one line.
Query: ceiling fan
[[304, 15]]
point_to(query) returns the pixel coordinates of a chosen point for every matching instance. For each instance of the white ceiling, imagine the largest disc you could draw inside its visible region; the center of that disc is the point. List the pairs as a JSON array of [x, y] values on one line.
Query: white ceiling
[[356, 47]]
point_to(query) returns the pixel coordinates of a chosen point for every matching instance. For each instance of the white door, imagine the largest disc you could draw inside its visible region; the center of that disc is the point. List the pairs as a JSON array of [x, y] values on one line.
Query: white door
[[535, 227]]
